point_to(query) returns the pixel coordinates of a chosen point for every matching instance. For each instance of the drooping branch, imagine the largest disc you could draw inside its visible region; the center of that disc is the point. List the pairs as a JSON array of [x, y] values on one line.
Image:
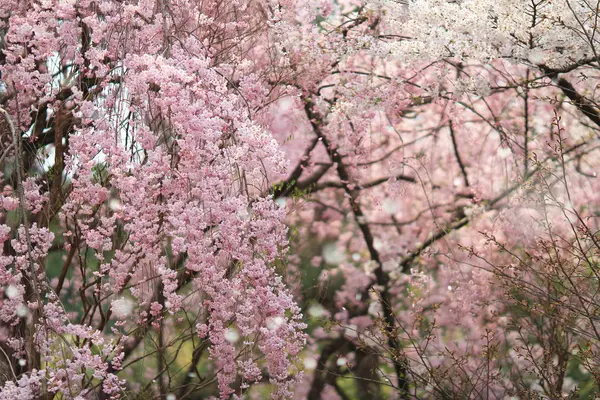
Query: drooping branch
[[31, 282]]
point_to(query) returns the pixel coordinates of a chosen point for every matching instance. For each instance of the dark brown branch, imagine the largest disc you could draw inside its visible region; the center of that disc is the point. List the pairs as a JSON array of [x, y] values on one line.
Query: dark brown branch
[[406, 262], [319, 379], [457, 154], [381, 277], [283, 189], [584, 105], [309, 182], [579, 101]]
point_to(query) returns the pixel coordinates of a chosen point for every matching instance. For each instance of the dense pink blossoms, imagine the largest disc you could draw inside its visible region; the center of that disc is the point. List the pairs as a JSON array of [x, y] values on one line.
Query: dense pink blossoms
[[160, 208]]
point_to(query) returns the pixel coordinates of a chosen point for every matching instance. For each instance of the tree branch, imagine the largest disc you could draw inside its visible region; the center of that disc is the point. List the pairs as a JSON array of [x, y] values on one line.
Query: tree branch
[[457, 155], [381, 277]]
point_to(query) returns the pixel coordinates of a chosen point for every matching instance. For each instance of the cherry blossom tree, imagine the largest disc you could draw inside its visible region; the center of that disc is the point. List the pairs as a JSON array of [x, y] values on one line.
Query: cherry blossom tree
[[135, 223], [444, 132], [322, 200]]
